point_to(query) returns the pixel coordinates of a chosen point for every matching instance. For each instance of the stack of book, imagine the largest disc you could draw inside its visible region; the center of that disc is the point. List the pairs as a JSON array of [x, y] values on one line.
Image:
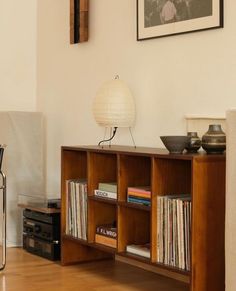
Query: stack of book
[[106, 234], [140, 250], [140, 195], [173, 231], [76, 210], [106, 190]]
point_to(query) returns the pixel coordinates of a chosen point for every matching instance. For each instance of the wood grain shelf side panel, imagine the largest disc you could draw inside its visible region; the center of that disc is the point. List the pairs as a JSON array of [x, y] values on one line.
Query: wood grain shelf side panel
[[74, 252], [208, 219]]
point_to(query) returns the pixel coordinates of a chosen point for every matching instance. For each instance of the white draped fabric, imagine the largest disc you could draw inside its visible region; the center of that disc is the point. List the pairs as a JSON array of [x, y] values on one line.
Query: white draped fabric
[[23, 164], [230, 235]]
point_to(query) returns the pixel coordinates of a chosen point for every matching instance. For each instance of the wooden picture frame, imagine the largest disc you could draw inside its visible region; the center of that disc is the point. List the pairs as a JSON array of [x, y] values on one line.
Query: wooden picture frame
[[159, 18], [79, 21]]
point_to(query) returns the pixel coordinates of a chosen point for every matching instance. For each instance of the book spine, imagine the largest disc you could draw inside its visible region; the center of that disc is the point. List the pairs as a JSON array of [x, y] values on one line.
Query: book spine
[[106, 231], [105, 194], [142, 195], [78, 209], [161, 230], [139, 198], [139, 252], [137, 190], [139, 201], [107, 187], [158, 228]]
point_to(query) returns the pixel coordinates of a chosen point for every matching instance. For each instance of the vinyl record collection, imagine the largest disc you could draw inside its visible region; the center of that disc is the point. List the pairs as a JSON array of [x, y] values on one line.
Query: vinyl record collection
[[173, 231], [76, 222]]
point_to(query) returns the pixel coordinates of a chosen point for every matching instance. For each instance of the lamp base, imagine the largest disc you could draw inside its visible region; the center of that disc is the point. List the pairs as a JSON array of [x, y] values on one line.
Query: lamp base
[[109, 139], [113, 135]]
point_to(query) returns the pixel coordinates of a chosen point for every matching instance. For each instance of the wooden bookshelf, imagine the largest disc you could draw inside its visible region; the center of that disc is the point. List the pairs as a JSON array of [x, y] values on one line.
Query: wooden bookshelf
[[200, 175]]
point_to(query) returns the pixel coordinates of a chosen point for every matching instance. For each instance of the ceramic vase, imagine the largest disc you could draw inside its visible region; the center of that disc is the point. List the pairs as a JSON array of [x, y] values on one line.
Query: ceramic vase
[[214, 140], [194, 143]]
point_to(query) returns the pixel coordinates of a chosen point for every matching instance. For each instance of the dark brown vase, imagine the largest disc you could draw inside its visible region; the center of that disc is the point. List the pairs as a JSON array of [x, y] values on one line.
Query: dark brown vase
[[214, 140], [194, 144]]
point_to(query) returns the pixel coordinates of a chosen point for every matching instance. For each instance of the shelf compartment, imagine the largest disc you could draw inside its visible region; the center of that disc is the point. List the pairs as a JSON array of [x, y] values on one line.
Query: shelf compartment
[[134, 171], [133, 227], [102, 169], [169, 177], [73, 166], [99, 213]]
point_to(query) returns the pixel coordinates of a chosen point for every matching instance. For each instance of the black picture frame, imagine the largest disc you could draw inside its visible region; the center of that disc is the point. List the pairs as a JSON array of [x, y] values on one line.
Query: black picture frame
[[161, 18]]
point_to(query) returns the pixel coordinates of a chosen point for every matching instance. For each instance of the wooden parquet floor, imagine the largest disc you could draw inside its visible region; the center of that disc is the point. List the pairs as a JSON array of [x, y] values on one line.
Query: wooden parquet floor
[[26, 272]]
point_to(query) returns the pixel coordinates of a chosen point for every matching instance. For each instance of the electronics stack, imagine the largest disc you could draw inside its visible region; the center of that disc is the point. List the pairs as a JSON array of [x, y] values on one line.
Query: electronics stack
[[41, 230]]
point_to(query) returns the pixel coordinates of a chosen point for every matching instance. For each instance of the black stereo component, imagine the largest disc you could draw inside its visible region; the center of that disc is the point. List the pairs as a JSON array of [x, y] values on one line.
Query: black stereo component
[[46, 249], [41, 230], [43, 217], [54, 203]]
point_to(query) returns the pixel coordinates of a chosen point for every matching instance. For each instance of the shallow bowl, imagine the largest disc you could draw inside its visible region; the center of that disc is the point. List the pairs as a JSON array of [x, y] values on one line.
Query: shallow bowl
[[175, 144]]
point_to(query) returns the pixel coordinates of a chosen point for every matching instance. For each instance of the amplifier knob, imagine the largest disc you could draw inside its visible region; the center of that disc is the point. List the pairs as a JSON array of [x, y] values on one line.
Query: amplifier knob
[[37, 228]]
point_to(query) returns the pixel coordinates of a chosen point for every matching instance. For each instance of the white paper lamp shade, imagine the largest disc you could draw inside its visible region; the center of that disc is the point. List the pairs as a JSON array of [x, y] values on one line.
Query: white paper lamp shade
[[114, 105]]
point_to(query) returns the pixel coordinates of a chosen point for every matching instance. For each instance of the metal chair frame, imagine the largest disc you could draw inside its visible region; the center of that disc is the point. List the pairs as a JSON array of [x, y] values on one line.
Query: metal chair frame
[[3, 189]]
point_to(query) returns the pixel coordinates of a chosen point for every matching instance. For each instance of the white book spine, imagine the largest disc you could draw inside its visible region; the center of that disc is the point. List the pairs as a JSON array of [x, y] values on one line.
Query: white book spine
[[158, 228], [78, 209], [105, 194], [67, 207], [182, 234]]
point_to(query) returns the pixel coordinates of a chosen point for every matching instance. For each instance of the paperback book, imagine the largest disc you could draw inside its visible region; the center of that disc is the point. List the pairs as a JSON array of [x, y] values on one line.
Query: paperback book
[[105, 194], [139, 195], [140, 250], [109, 230], [109, 187]]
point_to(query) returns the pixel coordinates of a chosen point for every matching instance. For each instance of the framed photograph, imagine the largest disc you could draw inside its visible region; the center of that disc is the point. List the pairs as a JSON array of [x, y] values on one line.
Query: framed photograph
[[158, 18]]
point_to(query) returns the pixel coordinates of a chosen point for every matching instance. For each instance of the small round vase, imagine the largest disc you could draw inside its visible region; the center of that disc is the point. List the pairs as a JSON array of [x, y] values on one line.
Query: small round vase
[[194, 143], [214, 140]]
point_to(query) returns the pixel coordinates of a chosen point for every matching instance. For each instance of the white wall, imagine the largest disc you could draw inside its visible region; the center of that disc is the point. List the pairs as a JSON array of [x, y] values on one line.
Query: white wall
[[169, 77], [18, 55], [17, 92]]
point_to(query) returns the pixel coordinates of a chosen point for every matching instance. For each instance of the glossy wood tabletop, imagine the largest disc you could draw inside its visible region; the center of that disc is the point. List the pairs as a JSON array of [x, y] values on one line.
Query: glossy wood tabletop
[[26, 272]]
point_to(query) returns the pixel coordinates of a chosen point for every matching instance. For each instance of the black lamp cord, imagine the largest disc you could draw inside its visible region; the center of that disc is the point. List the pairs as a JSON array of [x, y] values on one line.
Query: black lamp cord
[[106, 140]]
